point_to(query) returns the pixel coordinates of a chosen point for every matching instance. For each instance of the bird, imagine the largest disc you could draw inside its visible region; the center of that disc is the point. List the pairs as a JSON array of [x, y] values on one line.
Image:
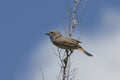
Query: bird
[[65, 42]]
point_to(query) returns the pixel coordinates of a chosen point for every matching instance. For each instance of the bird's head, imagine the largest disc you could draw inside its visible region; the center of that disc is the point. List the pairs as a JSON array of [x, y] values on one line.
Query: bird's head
[[53, 33]]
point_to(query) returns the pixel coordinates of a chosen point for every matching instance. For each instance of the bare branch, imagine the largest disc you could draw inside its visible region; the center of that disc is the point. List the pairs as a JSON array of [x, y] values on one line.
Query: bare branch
[[73, 15], [66, 73]]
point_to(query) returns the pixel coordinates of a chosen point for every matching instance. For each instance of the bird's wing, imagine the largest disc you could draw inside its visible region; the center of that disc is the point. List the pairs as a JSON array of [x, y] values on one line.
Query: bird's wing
[[73, 40], [67, 41], [77, 41]]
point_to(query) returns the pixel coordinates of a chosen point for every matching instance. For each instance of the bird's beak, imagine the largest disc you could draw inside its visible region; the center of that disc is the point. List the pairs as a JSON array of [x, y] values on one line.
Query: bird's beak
[[47, 33]]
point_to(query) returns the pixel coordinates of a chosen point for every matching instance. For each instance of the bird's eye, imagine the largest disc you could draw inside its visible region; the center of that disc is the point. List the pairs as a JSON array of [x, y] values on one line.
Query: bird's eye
[[51, 32]]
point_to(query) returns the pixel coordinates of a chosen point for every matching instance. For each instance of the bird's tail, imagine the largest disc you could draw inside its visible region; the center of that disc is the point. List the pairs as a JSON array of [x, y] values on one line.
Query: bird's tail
[[83, 50]]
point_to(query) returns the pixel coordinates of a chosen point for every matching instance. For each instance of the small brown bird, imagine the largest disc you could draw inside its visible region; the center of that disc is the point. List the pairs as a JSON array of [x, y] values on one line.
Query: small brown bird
[[66, 43]]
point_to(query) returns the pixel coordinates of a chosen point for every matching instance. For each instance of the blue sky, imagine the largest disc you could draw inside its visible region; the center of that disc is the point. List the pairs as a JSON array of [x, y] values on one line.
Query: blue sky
[[24, 22]]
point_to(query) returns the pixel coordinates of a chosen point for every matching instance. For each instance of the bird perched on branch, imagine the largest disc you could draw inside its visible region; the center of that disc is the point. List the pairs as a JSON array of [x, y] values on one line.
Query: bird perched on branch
[[66, 43]]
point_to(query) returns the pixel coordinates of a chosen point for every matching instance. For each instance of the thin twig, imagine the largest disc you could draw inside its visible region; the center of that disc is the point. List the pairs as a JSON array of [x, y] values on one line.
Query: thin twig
[[83, 6], [43, 77], [73, 17]]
